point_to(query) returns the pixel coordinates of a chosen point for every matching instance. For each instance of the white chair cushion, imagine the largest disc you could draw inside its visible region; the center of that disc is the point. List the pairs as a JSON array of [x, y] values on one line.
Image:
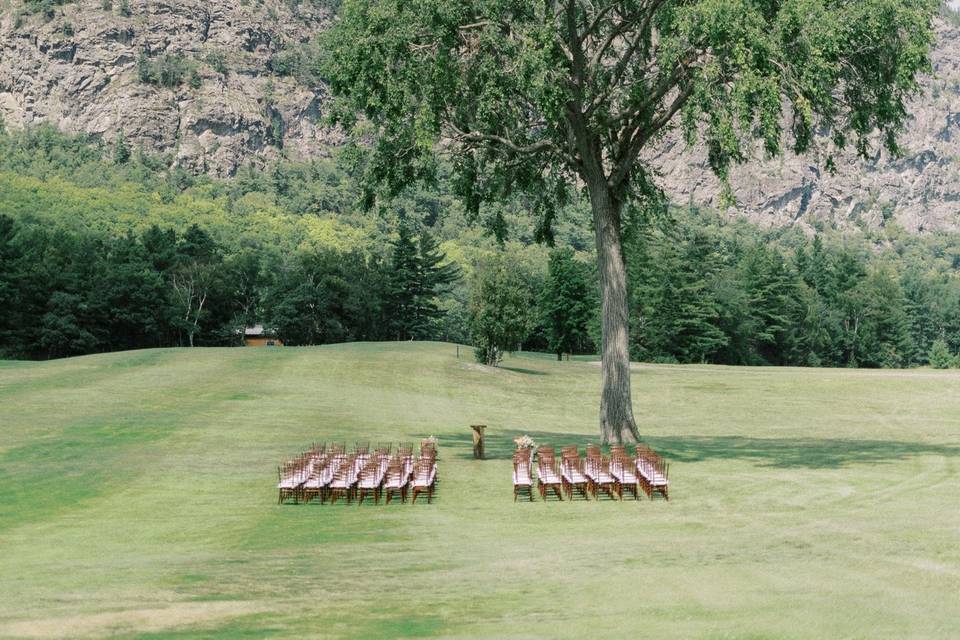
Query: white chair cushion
[[645, 469], [395, 482], [521, 479]]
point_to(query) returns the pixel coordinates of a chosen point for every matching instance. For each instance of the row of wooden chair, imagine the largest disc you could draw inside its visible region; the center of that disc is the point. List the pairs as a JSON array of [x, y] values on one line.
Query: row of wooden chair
[[333, 473], [592, 475]]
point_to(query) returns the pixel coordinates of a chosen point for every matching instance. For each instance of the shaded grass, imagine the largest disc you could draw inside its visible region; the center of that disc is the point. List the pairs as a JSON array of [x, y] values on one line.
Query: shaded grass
[[137, 500]]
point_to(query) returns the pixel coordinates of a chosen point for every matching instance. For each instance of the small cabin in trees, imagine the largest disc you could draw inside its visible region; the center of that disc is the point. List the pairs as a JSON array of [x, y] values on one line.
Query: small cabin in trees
[[257, 336]]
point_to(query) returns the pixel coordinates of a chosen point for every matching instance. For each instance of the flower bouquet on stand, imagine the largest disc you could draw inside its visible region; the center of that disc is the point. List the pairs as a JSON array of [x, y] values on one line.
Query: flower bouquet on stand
[[525, 444]]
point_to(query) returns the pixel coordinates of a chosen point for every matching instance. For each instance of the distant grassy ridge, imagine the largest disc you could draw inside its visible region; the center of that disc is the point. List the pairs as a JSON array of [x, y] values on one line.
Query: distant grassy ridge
[[137, 500]]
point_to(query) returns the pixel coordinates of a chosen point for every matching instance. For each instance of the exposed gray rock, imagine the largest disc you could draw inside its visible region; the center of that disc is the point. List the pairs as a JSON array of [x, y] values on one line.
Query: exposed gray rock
[[920, 191], [88, 82]]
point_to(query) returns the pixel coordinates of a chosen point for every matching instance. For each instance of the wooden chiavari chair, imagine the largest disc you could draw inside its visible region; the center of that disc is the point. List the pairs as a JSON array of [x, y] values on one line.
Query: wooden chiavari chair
[[624, 469], [522, 475], [424, 476], [344, 479], [654, 472], [546, 452], [548, 476], [574, 478], [569, 450], [316, 483], [288, 482], [369, 481], [395, 481], [598, 468]]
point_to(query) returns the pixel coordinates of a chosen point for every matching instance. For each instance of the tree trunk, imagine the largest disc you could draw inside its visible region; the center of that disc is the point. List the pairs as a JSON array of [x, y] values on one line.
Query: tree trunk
[[617, 424]]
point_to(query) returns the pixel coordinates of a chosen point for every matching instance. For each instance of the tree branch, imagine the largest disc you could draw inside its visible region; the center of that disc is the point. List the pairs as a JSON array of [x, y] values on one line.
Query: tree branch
[[641, 136]]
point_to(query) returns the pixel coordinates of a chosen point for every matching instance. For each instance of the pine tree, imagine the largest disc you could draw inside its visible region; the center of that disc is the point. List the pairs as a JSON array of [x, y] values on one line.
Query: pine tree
[[567, 303], [418, 276], [121, 150], [675, 310], [772, 302], [434, 277], [939, 355], [403, 285]]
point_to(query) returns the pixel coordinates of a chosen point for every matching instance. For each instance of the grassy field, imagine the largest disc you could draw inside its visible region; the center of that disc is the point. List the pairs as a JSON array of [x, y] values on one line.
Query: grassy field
[[137, 500]]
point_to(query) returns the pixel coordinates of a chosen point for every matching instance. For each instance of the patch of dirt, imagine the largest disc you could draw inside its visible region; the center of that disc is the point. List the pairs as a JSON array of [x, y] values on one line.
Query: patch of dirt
[[475, 366], [185, 614]]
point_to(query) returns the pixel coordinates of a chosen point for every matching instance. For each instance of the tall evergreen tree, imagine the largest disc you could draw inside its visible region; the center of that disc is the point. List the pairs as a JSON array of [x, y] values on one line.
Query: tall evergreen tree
[[566, 303], [675, 309], [418, 276]]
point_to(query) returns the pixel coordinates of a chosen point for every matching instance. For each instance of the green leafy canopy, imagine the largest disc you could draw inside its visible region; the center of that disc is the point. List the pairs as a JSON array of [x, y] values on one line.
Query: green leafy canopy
[[533, 97]]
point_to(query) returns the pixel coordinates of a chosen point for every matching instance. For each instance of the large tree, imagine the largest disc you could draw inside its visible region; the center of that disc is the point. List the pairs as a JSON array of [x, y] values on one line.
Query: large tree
[[534, 97]]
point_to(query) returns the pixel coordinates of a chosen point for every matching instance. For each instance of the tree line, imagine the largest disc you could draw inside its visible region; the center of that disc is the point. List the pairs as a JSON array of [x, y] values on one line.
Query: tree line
[[109, 248], [66, 294], [701, 292]]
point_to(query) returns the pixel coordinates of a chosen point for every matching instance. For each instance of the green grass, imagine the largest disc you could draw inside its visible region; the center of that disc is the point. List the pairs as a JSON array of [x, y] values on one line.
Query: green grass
[[137, 500]]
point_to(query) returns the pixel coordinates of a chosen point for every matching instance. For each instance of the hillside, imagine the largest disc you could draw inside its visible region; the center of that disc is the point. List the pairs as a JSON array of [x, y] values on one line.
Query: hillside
[[139, 501], [218, 84], [215, 102]]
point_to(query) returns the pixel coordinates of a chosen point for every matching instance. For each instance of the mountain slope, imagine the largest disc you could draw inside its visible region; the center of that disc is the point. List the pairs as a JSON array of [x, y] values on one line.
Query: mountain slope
[[214, 102], [218, 84], [921, 190]]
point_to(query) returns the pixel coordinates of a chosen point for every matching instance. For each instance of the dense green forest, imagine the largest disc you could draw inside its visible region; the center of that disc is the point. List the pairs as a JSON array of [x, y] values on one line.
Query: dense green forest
[[104, 247]]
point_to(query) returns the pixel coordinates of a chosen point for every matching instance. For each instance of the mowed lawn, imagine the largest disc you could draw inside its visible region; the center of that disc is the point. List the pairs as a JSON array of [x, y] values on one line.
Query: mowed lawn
[[137, 499]]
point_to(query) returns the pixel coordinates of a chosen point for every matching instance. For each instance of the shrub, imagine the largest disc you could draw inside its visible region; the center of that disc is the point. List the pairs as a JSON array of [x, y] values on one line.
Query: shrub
[[940, 357], [218, 62], [168, 70]]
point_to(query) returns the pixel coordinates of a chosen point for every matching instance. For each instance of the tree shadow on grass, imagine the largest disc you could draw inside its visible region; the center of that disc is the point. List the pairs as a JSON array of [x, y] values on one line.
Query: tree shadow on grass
[[498, 444], [784, 453], [529, 372]]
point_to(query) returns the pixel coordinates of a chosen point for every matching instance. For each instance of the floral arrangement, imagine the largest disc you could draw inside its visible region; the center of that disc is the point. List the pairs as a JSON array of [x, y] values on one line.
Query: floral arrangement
[[524, 442]]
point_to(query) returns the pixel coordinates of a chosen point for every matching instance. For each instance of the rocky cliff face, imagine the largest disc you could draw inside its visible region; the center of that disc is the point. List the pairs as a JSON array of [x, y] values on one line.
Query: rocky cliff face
[[920, 190], [214, 98], [83, 71]]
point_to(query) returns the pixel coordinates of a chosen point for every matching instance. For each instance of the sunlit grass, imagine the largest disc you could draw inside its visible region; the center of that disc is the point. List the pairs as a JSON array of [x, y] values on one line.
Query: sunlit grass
[[137, 499]]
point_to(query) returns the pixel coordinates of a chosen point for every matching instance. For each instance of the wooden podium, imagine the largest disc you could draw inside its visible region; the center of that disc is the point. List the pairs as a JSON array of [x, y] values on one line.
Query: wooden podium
[[478, 430]]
